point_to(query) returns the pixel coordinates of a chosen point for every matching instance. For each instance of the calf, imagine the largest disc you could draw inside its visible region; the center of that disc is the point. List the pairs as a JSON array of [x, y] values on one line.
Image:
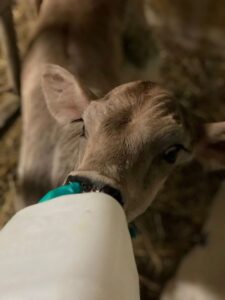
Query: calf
[[126, 139]]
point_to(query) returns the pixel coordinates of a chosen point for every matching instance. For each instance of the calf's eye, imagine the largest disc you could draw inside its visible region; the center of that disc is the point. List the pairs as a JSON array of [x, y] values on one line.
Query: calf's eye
[[170, 155]]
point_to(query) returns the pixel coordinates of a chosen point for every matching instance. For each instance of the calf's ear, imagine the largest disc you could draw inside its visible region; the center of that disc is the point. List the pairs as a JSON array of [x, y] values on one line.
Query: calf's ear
[[65, 96], [210, 148]]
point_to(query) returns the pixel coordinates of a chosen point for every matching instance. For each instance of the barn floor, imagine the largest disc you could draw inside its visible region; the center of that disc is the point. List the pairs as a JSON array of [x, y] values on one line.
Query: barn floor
[[173, 226]]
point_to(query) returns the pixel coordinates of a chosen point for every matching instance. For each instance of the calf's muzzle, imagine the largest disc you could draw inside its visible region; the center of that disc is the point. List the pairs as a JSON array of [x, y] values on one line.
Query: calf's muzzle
[[90, 185]]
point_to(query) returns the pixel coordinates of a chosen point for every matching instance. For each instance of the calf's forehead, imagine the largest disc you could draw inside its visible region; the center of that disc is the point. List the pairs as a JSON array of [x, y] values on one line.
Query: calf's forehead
[[137, 104], [138, 116]]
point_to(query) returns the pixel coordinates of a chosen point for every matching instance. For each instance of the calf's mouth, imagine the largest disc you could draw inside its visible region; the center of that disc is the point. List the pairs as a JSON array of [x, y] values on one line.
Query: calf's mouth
[[90, 185]]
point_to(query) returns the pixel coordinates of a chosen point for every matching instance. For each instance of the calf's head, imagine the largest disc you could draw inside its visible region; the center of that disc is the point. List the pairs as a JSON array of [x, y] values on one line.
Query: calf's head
[[132, 138]]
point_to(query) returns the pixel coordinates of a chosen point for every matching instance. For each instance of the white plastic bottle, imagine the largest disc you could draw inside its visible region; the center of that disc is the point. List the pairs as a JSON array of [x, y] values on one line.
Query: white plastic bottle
[[75, 247]]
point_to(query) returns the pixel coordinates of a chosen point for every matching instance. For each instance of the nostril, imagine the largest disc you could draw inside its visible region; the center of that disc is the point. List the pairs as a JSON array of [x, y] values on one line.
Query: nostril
[[69, 179]]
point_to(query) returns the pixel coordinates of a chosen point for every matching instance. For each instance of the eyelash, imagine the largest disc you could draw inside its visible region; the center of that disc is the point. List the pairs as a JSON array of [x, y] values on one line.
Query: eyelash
[[170, 155]]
